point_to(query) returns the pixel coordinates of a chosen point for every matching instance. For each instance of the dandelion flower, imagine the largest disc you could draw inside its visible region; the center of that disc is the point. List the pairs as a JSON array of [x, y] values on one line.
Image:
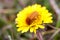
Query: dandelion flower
[[32, 17]]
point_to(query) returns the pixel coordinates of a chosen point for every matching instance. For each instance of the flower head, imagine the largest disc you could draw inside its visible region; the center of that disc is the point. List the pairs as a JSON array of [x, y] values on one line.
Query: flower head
[[32, 17]]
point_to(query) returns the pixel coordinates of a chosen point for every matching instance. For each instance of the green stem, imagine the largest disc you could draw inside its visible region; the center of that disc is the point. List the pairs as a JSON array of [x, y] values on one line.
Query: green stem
[[58, 22]]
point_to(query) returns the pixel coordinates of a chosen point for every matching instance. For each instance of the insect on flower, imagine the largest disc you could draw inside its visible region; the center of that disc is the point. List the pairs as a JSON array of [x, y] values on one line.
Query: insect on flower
[[32, 17]]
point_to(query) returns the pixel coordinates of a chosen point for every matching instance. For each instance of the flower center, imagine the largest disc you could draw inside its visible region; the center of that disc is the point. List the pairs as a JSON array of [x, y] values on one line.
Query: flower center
[[32, 17]]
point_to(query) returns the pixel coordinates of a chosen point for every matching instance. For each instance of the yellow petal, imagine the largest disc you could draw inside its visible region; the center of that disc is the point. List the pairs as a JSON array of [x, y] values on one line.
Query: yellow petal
[[35, 31], [41, 26], [25, 29], [19, 29], [31, 29]]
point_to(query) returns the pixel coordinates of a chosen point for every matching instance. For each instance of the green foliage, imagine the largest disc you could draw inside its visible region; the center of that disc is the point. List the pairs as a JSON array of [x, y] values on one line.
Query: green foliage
[[2, 23], [58, 24], [39, 2], [57, 37], [1, 38]]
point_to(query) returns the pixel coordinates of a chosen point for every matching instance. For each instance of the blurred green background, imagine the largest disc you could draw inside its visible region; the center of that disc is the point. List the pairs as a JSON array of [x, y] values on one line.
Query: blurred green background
[[8, 12]]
